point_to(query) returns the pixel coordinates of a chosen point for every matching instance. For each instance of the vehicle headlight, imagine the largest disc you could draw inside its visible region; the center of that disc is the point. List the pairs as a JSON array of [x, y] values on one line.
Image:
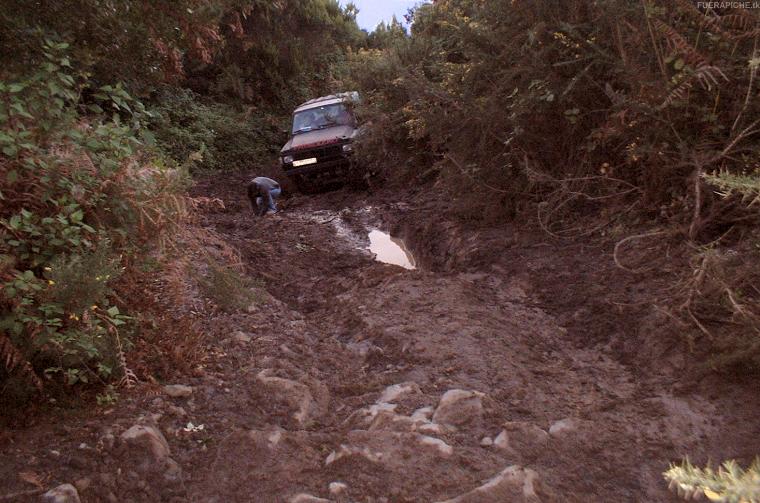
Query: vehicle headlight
[[287, 159], [348, 147]]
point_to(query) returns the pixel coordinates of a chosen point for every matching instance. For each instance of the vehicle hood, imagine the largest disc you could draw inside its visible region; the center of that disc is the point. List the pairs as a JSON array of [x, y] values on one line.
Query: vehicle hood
[[337, 134]]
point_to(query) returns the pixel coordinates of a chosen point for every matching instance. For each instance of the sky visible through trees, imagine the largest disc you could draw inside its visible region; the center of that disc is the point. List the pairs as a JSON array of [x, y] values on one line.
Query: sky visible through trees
[[372, 12]]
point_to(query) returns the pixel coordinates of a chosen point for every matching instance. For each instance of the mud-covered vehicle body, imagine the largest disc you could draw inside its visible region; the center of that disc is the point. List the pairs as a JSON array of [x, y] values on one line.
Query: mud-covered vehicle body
[[320, 147]]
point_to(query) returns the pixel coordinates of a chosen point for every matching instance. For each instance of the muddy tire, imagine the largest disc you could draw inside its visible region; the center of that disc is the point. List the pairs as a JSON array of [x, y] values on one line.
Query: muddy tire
[[303, 185], [357, 177]]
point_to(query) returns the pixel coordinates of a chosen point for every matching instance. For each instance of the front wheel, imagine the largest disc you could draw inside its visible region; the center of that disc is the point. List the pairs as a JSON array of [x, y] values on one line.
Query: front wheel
[[303, 184]]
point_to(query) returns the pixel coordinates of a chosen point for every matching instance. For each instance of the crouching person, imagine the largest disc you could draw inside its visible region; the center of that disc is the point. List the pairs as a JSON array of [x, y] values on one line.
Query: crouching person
[[262, 193]]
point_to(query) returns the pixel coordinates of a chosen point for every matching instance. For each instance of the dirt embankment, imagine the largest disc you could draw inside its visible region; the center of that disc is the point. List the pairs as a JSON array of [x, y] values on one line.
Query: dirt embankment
[[507, 367]]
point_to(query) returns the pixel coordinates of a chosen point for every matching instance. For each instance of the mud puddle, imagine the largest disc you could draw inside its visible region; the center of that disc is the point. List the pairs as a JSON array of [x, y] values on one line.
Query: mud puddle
[[357, 228], [390, 250]]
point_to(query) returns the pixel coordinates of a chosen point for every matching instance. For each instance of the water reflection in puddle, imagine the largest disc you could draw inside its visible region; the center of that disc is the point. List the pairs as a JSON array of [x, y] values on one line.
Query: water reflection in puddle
[[390, 250]]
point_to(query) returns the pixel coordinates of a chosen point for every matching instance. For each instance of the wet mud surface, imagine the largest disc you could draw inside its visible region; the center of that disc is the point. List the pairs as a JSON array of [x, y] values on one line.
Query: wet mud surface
[[344, 371]]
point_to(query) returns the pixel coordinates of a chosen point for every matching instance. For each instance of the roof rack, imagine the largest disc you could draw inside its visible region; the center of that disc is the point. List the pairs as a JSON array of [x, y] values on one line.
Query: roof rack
[[346, 96]]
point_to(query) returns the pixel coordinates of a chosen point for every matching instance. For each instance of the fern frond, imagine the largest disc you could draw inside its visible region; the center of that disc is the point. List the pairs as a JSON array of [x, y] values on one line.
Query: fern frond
[[739, 25], [680, 45], [129, 378], [13, 361], [729, 483], [746, 185], [677, 93], [707, 75]]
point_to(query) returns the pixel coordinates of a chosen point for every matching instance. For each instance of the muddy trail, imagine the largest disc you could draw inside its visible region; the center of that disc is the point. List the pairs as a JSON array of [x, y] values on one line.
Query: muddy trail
[[496, 366]]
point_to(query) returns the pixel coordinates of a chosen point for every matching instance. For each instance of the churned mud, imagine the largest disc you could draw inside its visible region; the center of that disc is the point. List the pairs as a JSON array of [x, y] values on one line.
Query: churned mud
[[485, 365]]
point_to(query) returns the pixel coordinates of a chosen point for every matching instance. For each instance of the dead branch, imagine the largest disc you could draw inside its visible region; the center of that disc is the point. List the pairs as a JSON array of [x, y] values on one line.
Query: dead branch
[[752, 74], [615, 254], [696, 220]]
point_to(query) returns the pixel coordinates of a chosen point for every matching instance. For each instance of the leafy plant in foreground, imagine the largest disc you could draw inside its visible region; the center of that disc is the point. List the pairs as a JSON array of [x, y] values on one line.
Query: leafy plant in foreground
[[730, 483], [77, 199]]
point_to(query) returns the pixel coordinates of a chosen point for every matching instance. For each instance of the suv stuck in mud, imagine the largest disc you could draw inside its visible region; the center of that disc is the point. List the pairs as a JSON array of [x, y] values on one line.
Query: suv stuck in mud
[[320, 146]]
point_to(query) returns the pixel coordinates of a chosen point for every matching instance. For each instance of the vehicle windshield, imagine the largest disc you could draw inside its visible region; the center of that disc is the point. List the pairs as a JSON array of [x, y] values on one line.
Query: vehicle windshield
[[323, 117]]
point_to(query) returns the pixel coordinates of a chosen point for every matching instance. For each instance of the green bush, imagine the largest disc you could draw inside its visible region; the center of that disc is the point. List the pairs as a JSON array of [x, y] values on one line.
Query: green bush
[[216, 135], [78, 199]]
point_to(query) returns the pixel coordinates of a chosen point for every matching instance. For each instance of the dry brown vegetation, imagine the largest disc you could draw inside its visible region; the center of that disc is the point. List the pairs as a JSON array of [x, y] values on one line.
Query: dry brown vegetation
[[629, 119]]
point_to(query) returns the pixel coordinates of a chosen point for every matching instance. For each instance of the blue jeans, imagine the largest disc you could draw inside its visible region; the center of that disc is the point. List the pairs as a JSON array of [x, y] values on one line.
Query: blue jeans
[[272, 195]]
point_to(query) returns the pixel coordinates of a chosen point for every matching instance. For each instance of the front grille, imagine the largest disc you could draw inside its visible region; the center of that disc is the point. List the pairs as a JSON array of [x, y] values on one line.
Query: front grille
[[323, 154], [336, 166]]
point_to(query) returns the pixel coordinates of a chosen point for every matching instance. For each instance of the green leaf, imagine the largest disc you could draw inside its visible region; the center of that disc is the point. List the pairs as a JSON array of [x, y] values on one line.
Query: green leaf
[[20, 110], [15, 88], [113, 311], [54, 89], [77, 216], [15, 222], [679, 64]]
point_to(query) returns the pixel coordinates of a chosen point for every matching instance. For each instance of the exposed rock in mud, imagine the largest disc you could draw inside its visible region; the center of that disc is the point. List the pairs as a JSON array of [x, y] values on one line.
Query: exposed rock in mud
[[501, 440], [515, 484], [459, 407], [338, 488], [394, 392], [390, 421], [83, 484], [563, 426], [172, 471], [148, 440], [383, 416], [307, 498], [373, 411], [352, 451], [431, 428], [297, 395], [442, 447], [523, 436], [176, 411], [241, 337], [178, 390], [423, 414], [65, 493]]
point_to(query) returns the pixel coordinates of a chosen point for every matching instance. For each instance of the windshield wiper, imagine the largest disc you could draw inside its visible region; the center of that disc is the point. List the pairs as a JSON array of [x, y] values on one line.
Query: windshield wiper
[[327, 125], [303, 130]]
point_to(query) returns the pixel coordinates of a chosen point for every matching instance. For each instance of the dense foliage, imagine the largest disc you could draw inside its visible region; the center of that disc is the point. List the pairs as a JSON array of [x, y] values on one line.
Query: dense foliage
[[104, 106], [588, 115], [76, 197], [729, 483]]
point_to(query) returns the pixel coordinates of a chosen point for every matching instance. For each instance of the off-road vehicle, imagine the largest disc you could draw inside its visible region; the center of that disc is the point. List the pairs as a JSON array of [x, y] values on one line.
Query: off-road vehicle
[[320, 146]]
